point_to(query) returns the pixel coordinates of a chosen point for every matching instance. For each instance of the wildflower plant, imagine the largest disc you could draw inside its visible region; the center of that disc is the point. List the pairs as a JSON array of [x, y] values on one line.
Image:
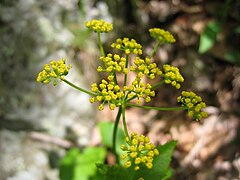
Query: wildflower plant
[[140, 159]]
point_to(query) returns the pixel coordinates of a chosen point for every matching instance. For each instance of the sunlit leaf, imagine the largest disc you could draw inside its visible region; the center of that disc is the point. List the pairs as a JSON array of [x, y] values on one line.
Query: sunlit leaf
[[208, 37], [81, 165], [106, 130], [115, 172], [86, 163]]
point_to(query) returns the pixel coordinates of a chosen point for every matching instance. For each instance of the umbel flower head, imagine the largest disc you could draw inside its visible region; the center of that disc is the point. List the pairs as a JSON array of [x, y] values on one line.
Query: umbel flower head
[[145, 67], [107, 92], [110, 92], [194, 104], [172, 76], [128, 46], [113, 63], [161, 35], [170, 73], [140, 152], [53, 72], [100, 26]]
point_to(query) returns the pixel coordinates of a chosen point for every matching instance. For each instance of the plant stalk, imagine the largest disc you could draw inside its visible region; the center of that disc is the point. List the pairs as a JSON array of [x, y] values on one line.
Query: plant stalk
[[156, 108], [78, 88], [100, 44], [115, 129], [124, 122], [125, 76], [157, 84], [155, 49]]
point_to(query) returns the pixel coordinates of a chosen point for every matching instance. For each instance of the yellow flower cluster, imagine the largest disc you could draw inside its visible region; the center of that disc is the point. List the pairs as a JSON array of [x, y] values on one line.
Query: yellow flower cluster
[[194, 104], [172, 76], [139, 152], [162, 35], [53, 71], [107, 92], [111, 92], [128, 46], [113, 63], [139, 90], [144, 67], [99, 26]]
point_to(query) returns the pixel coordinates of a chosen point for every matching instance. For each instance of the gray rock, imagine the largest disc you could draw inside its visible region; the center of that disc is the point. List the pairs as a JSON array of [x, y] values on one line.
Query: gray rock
[[33, 34]]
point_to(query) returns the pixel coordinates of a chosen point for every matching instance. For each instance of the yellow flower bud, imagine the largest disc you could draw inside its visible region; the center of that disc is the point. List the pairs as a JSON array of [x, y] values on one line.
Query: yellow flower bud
[[92, 100], [149, 165], [112, 106], [123, 156], [136, 168], [156, 152], [100, 107], [133, 154], [116, 57], [137, 160], [127, 164]]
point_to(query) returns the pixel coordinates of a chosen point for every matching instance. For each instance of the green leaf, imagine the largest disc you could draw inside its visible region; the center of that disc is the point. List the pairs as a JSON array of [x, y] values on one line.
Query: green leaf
[[76, 165], [161, 163], [208, 37], [115, 172], [233, 57], [169, 174], [86, 163], [237, 30], [106, 130], [67, 164]]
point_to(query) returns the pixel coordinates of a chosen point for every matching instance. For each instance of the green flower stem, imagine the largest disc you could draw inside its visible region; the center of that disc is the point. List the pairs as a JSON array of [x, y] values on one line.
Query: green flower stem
[[124, 122], [156, 108], [128, 100], [115, 79], [155, 49], [100, 44], [157, 84], [78, 88], [115, 129], [126, 66]]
